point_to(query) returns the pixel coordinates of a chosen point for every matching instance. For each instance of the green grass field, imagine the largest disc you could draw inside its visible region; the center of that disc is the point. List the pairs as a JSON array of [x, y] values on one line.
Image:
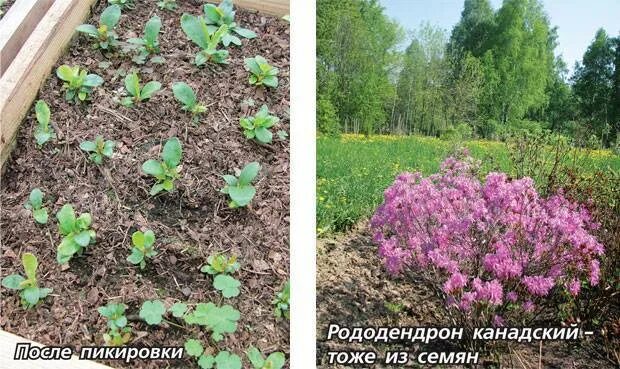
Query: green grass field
[[353, 171]]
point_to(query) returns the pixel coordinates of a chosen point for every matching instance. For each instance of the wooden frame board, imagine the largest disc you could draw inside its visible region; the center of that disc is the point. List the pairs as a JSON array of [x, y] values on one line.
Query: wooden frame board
[[16, 25]]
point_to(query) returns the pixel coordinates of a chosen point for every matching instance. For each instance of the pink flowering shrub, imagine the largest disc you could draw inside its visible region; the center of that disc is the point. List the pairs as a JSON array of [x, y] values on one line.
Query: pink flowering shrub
[[498, 249]]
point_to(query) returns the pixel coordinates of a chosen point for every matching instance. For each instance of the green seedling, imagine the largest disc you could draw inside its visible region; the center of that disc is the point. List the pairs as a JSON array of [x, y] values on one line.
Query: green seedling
[[138, 94], [124, 4], [282, 302], [257, 127], [142, 248], [149, 44], [240, 189], [168, 4], [28, 288], [282, 135], [1, 5], [196, 30], [76, 233], [104, 35], [178, 310], [193, 347], [119, 333], [35, 204], [223, 14], [227, 284], [275, 360], [261, 72], [78, 83], [98, 149], [152, 312], [186, 96], [167, 170], [219, 320], [43, 132], [223, 360], [220, 264]]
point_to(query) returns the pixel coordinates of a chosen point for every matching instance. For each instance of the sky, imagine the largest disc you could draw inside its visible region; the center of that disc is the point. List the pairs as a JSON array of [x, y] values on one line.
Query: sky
[[577, 20]]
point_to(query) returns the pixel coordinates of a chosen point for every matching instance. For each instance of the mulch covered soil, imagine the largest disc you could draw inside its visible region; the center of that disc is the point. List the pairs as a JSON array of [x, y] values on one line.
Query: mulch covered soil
[[354, 290], [190, 224]]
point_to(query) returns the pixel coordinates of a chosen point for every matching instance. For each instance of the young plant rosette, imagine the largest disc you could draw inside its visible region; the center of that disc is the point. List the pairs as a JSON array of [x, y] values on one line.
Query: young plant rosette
[[499, 250]]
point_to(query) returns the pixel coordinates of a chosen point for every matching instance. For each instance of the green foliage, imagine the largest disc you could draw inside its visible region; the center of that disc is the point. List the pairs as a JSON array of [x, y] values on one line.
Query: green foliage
[[594, 83], [35, 204], [43, 132], [219, 320], [326, 117], [77, 82], [239, 188], [261, 72], [118, 332], [196, 29], [227, 284], [282, 135], [98, 149], [186, 96], [257, 127], [193, 347], [223, 14], [104, 35], [221, 264], [152, 311], [76, 233], [142, 248], [275, 360], [138, 94], [282, 302], [178, 309], [149, 44], [30, 293], [354, 73], [167, 170], [223, 360], [167, 4], [353, 171], [124, 4]]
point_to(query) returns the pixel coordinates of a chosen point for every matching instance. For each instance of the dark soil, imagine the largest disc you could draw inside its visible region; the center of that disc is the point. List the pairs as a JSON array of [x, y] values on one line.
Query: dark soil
[[190, 224], [353, 290]]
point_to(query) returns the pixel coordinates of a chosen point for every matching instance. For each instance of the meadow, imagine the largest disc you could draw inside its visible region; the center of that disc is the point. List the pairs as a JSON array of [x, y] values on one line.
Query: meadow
[[354, 170]]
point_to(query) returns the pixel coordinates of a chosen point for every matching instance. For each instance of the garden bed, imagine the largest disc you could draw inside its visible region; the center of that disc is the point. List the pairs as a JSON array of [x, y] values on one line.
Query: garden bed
[[190, 224]]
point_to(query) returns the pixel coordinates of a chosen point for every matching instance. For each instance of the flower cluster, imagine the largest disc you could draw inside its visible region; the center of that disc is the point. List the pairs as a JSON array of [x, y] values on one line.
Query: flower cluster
[[493, 245]]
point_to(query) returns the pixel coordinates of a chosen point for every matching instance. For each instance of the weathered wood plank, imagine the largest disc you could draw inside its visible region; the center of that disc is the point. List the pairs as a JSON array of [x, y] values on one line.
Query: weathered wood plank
[[273, 7], [17, 25], [7, 353], [21, 81]]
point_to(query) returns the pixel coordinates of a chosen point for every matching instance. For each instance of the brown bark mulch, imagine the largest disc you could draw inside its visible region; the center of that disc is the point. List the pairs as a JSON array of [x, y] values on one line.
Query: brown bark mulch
[[190, 224]]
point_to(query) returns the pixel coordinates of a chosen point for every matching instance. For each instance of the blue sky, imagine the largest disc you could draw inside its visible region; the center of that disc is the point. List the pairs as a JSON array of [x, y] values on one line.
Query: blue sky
[[577, 20]]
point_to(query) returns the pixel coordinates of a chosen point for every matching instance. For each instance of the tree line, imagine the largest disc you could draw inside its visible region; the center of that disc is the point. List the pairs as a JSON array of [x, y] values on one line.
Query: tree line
[[496, 72]]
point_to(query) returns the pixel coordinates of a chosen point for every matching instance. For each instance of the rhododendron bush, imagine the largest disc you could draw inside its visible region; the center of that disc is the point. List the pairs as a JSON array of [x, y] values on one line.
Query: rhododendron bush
[[499, 250]]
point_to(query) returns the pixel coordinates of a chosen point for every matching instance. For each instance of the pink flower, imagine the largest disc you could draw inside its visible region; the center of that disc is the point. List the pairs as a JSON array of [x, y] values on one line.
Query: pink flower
[[498, 321], [574, 287], [499, 233], [456, 282], [538, 285]]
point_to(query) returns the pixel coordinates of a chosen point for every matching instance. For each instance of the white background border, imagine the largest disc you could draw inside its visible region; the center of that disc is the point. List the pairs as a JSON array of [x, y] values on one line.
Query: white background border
[[303, 180]]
